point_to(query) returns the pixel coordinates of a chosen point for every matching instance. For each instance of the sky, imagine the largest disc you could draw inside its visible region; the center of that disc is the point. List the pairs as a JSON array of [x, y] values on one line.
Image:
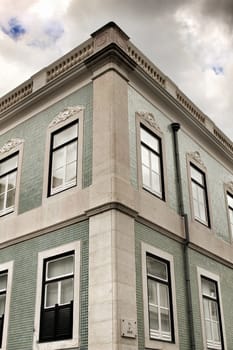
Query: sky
[[191, 41]]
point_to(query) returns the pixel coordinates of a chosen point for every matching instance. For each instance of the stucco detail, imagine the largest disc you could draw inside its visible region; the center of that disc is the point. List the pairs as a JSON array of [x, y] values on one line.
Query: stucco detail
[[11, 144], [65, 114], [149, 118], [197, 158], [229, 186]]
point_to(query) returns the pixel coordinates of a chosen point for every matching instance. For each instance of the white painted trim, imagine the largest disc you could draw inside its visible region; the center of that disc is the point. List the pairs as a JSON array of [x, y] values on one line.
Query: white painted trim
[[139, 120], [18, 148], [9, 267], [202, 169], [64, 344], [79, 117], [153, 343], [204, 273]]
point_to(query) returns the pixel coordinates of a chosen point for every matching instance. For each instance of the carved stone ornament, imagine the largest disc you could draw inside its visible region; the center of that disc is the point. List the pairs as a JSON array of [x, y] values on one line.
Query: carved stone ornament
[[66, 114], [196, 157], [11, 144], [149, 118], [229, 186]]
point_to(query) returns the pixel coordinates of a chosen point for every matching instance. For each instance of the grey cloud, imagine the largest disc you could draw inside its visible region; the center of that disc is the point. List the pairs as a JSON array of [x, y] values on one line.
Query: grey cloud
[[219, 9]]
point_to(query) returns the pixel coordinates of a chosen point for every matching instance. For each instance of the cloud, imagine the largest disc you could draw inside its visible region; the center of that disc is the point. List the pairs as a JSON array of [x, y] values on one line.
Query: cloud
[[221, 10], [14, 29], [190, 41], [54, 30]]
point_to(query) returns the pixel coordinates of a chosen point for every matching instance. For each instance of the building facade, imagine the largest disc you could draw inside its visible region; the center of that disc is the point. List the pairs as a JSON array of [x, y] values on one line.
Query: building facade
[[116, 209]]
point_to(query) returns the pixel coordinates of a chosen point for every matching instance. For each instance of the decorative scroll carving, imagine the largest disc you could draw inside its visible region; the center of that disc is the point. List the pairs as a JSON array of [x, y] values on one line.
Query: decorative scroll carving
[[229, 186], [150, 119], [66, 114], [11, 144], [197, 157]]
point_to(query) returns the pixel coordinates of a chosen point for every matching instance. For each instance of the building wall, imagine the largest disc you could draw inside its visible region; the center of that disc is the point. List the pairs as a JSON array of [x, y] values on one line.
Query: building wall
[[22, 305], [122, 215], [33, 131], [158, 240]]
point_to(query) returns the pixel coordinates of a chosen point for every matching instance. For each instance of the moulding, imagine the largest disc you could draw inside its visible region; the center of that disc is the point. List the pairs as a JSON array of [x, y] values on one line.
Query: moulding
[[65, 114], [197, 158], [11, 144], [149, 119], [229, 186]]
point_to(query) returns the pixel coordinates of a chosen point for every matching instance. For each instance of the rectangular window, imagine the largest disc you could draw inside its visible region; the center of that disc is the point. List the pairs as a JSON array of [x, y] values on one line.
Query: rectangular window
[[56, 321], [64, 158], [230, 210], [3, 291], [151, 158], [159, 298], [8, 176], [212, 316], [199, 195]]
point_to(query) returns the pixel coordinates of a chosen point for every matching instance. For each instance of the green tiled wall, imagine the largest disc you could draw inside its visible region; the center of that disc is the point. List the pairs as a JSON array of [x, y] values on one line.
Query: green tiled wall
[[149, 236], [22, 306], [138, 103], [226, 286], [217, 174], [33, 131], [153, 238]]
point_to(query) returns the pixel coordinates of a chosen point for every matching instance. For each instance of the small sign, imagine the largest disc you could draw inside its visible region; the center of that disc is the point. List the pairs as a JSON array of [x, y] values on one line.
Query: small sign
[[128, 328]]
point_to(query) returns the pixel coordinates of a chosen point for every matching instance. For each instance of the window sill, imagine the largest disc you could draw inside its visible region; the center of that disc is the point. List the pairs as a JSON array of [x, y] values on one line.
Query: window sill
[[57, 345], [160, 345], [7, 211]]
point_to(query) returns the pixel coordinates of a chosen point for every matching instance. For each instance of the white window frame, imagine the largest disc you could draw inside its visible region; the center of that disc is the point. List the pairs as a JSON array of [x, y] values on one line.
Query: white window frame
[[10, 149], [158, 343], [229, 192], [59, 282], [69, 116], [60, 344], [143, 121], [203, 187], [215, 278], [8, 266]]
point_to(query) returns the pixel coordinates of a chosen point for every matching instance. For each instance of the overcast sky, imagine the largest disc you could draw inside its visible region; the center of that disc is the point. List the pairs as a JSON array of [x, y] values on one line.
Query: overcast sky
[[191, 41]]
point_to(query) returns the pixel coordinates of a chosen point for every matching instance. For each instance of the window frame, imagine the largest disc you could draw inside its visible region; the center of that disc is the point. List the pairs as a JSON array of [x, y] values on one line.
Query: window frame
[[154, 131], [12, 148], [228, 192], [202, 273], [62, 121], [53, 149], [202, 170], [43, 257], [7, 267], [154, 343]]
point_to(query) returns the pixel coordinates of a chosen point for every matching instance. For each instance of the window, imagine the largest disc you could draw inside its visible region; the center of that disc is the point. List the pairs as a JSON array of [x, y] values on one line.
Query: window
[[57, 298], [159, 298], [8, 176], [64, 158], [212, 316], [151, 159], [199, 195], [5, 291], [230, 210]]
